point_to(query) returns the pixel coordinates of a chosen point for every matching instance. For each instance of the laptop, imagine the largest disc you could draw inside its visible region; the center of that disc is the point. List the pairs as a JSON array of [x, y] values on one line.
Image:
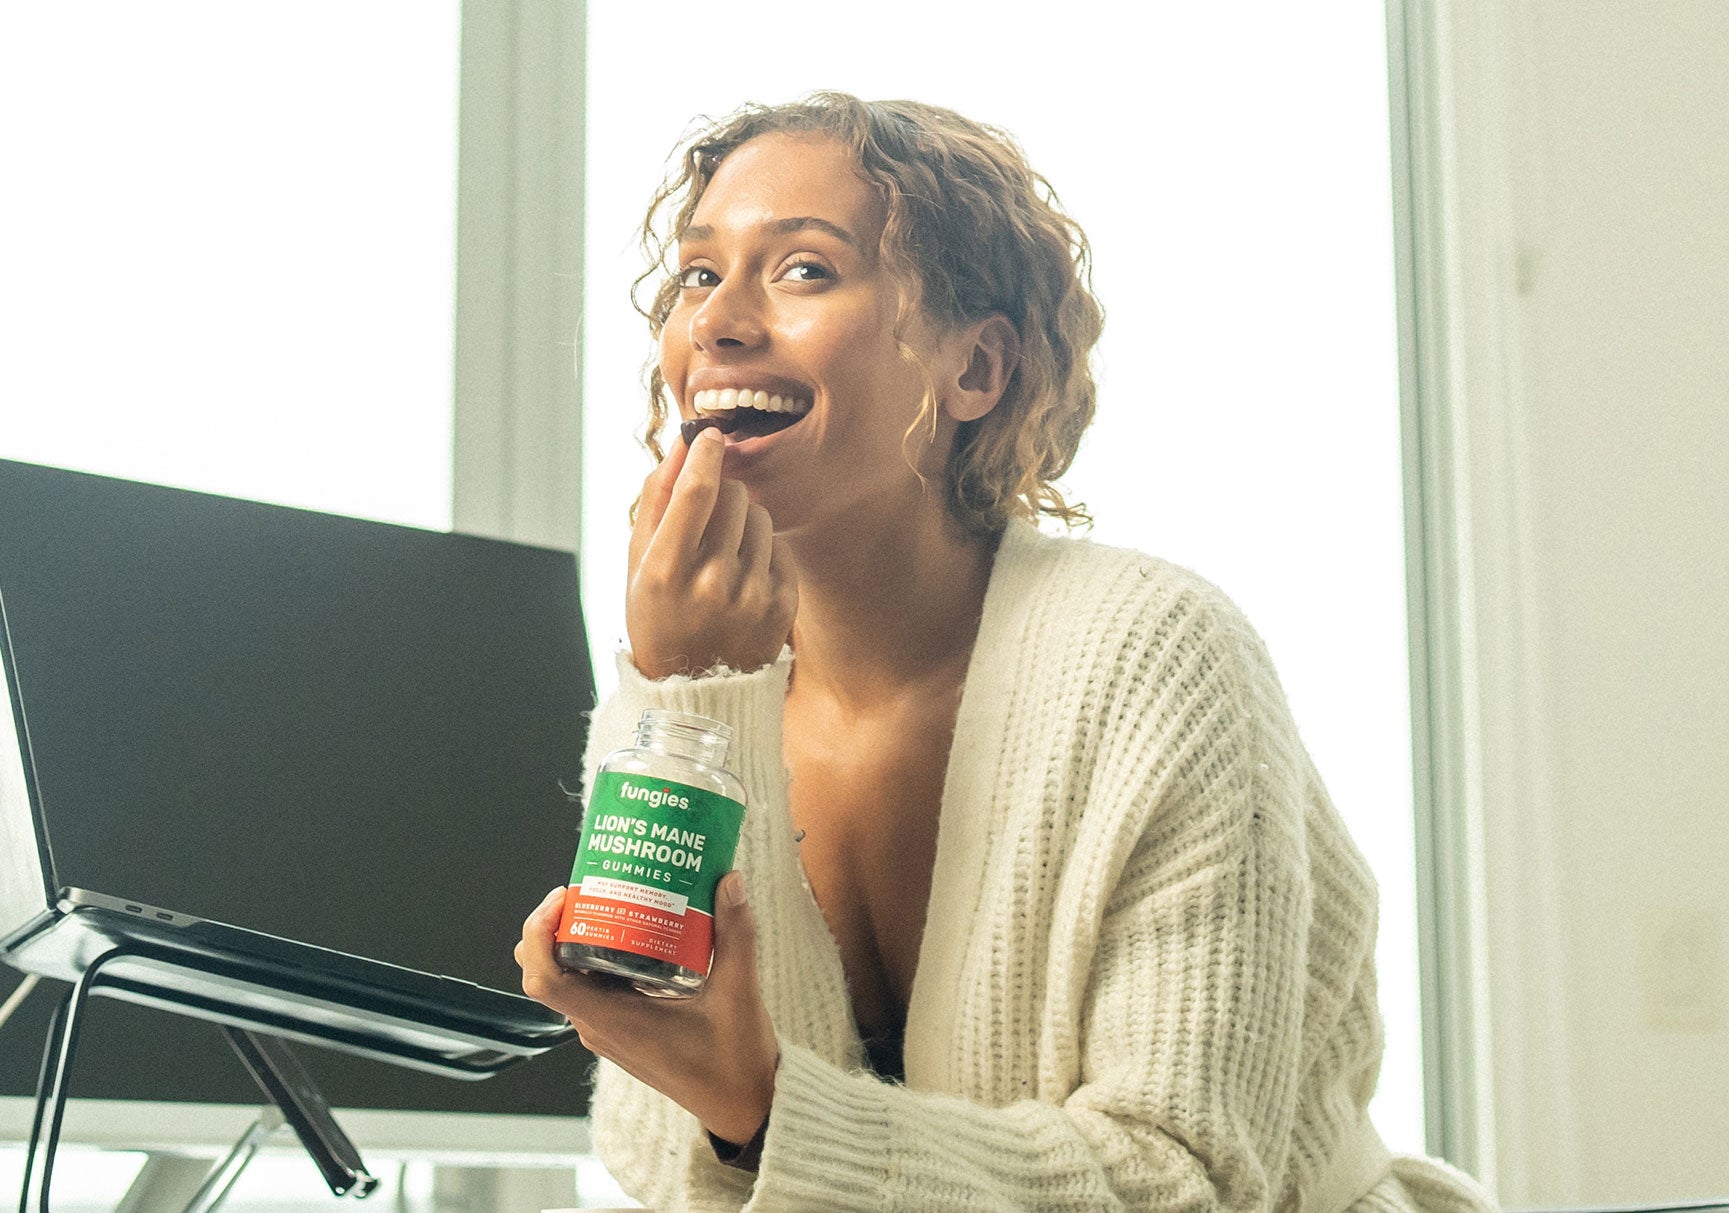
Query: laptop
[[113, 592]]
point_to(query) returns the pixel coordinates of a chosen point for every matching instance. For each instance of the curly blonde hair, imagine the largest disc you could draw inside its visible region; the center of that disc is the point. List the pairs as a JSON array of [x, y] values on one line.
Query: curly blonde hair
[[971, 231]]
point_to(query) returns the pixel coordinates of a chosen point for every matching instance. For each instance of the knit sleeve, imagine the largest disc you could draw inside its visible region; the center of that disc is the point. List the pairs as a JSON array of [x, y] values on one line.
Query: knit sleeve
[[748, 703], [1190, 1022]]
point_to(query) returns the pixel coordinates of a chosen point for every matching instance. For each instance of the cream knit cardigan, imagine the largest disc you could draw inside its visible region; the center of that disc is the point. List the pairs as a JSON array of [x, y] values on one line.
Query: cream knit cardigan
[[1146, 979]]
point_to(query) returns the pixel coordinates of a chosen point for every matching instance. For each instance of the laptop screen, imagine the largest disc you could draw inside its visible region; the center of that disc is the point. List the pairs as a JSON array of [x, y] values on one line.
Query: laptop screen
[[343, 732]]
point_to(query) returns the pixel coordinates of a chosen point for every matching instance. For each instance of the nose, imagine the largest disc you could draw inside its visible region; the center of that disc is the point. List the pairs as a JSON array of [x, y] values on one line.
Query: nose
[[729, 319]]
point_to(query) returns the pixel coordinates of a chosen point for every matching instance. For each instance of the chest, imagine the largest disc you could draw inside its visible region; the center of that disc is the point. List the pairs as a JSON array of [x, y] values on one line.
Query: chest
[[867, 794]]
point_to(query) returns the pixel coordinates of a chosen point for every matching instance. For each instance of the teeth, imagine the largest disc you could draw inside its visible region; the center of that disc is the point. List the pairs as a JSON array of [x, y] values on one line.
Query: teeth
[[719, 399]]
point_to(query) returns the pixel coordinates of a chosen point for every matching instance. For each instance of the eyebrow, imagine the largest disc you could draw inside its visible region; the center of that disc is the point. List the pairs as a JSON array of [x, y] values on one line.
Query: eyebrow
[[797, 223]]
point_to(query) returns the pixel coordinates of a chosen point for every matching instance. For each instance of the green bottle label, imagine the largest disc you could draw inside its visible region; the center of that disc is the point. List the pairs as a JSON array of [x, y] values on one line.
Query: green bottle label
[[656, 842]]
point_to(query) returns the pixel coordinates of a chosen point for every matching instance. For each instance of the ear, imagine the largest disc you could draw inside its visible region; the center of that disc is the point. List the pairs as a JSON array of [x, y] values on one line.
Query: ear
[[988, 352]]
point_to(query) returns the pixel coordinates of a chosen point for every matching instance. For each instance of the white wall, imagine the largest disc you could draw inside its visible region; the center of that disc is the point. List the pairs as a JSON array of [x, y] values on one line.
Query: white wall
[[1591, 193]]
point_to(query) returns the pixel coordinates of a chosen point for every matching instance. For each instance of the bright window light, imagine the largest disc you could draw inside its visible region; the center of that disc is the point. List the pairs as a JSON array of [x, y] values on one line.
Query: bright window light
[[85, 1180], [227, 243], [1234, 178]]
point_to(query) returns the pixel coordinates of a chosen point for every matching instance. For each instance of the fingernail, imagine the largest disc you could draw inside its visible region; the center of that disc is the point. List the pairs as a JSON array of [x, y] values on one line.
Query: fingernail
[[735, 889], [550, 897]]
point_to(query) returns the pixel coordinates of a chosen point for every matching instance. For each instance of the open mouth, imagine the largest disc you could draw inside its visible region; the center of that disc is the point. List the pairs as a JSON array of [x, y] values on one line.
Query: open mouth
[[747, 413]]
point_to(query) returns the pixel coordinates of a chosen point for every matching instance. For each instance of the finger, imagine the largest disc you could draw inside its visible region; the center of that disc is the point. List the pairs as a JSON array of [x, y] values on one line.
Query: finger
[[734, 932], [692, 499], [542, 977], [656, 494], [538, 929], [725, 530], [552, 898], [546, 981], [756, 550]]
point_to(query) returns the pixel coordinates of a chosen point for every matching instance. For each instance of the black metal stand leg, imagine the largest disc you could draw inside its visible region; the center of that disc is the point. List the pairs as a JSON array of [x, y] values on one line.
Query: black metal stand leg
[[51, 1082], [50, 1058], [293, 1092]]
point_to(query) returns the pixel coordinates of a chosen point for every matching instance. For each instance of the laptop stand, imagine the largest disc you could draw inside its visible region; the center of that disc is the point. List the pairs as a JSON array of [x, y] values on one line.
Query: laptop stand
[[295, 1100]]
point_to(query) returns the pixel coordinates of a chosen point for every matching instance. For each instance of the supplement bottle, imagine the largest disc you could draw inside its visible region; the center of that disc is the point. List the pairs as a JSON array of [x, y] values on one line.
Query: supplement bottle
[[662, 823]]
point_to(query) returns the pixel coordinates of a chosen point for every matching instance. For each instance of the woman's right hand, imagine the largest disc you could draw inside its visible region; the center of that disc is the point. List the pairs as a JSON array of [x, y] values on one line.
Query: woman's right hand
[[709, 582]]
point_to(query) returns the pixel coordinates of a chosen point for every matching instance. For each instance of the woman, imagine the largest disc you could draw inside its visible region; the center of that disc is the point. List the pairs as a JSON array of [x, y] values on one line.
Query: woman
[[1047, 907]]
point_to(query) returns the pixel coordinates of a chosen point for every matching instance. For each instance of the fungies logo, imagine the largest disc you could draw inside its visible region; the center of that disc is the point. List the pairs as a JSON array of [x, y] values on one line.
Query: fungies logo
[[654, 798]]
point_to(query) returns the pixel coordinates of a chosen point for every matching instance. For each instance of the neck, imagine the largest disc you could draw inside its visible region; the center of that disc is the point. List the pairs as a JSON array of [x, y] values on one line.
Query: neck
[[888, 611]]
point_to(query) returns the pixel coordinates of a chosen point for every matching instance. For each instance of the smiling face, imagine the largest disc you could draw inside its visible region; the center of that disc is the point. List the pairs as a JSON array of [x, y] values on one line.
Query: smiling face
[[784, 326]]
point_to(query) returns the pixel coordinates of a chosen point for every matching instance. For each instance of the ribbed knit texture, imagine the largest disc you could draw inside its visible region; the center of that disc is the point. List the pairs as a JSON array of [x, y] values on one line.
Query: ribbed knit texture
[[1147, 976]]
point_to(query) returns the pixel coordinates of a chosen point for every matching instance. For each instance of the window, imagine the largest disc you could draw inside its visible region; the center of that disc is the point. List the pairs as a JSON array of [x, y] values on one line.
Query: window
[[228, 248]]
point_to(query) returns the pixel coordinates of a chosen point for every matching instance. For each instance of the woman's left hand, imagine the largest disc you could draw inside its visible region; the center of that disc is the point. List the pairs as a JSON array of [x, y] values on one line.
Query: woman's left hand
[[714, 1055]]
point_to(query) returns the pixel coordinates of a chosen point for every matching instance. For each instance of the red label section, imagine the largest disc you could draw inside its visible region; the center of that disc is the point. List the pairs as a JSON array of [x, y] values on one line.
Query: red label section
[[685, 940]]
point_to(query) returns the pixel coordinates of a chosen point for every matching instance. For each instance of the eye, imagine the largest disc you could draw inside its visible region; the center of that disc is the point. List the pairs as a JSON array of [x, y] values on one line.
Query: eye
[[807, 271], [696, 277]]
